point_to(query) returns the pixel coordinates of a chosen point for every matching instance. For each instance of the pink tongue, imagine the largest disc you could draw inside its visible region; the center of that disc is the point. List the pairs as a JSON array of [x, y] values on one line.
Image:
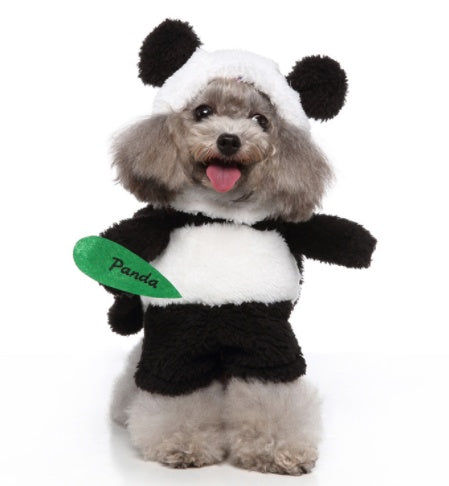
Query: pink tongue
[[222, 177]]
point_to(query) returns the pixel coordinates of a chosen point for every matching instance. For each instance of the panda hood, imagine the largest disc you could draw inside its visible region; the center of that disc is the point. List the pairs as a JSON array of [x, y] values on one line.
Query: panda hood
[[247, 67], [171, 58]]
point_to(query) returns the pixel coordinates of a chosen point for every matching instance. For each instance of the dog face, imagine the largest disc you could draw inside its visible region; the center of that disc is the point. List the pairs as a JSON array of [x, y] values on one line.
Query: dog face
[[231, 142], [228, 133]]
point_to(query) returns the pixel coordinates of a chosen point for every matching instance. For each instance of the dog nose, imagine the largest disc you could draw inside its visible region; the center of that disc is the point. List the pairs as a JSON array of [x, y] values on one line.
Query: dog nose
[[228, 144]]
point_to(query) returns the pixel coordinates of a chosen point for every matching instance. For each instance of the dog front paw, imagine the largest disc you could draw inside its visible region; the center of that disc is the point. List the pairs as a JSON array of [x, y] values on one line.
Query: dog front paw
[[183, 450], [276, 459]]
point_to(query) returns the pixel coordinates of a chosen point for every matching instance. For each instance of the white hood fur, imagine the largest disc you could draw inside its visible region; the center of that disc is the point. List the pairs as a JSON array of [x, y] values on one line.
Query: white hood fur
[[204, 66]]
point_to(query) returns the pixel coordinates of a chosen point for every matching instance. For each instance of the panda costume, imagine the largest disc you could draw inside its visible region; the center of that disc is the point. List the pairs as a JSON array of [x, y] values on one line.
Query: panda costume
[[239, 273]]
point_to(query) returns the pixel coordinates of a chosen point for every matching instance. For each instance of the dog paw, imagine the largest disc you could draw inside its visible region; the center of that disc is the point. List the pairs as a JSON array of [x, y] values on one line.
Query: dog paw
[[183, 459], [187, 450], [279, 460]]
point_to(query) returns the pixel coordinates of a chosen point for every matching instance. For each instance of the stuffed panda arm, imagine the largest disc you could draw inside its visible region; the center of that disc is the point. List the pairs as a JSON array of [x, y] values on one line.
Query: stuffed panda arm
[[147, 234], [331, 239], [125, 316]]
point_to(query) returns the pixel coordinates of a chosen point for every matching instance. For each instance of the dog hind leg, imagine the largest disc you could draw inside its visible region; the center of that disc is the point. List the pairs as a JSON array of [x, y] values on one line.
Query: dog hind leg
[[125, 388], [179, 431], [272, 427]]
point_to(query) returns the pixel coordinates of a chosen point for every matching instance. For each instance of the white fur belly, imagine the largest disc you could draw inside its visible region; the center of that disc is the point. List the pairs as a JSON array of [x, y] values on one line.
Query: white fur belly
[[227, 263]]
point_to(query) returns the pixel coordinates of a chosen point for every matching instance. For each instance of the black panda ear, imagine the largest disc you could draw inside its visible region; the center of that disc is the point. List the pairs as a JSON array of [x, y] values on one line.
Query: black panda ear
[[165, 50], [322, 85]]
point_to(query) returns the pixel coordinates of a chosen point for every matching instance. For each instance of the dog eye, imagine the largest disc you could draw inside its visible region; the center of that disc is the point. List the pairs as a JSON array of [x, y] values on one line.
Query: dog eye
[[261, 120], [203, 111]]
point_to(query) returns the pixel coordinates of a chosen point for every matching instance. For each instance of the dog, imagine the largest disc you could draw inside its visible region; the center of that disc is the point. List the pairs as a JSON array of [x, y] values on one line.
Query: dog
[[230, 126], [232, 179]]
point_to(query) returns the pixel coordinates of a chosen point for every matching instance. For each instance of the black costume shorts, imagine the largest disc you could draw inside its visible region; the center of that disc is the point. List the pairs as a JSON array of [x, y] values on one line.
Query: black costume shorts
[[187, 346]]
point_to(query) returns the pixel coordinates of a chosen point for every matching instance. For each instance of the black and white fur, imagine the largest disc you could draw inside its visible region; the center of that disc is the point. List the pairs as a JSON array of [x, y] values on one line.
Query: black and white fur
[[219, 372]]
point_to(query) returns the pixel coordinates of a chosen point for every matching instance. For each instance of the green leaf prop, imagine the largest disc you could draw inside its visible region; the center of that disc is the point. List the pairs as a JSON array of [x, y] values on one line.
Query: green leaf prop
[[114, 265]]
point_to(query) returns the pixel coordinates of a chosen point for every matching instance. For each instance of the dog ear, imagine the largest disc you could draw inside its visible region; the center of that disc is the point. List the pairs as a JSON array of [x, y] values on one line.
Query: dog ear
[[165, 50], [322, 85], [147, 157]]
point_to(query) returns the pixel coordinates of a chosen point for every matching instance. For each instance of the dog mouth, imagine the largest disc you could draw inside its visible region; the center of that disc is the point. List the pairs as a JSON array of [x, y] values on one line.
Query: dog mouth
[[223, 175]]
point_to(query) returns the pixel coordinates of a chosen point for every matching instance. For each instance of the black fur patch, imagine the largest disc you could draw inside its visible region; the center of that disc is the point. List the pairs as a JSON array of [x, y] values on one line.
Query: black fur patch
[[167, 48], [331, 239], [188, 346], [145, 234], [322, 84], [126, 315]]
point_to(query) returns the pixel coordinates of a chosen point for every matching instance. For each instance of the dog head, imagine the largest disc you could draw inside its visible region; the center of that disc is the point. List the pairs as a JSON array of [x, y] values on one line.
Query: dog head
[[233, 134]]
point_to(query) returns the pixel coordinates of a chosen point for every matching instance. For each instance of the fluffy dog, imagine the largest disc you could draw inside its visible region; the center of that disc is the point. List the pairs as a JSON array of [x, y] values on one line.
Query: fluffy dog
[[232, 178]]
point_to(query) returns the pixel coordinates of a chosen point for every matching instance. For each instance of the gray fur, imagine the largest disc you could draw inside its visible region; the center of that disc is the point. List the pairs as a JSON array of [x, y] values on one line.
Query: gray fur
[[159, 158], [273, 427], [148, 157], [295, 178], [268, 427], [182, 431], [125, 388]]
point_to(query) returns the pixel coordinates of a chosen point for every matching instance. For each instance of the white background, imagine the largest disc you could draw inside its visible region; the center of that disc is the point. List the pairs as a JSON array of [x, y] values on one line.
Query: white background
[[375, 340]]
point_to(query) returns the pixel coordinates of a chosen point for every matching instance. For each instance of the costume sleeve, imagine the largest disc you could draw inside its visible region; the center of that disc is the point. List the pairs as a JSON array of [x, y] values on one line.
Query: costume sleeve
[[125, 316], [147, 234], [331, 239]]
